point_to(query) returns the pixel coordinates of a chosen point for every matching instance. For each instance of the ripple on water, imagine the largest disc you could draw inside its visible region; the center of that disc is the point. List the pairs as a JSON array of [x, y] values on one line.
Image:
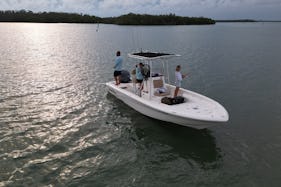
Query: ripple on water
[[59, 127], [53, 128]]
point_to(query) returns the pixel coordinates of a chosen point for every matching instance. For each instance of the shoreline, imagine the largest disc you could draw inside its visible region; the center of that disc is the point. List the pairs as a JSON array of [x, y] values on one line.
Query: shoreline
[[128, 19]]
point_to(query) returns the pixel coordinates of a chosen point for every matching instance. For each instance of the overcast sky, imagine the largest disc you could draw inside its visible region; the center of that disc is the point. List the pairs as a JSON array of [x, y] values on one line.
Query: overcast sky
[[216, 9]]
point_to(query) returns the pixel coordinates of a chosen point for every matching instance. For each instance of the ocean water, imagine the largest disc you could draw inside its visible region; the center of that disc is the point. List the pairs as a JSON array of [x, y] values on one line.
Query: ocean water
[[60, 127]]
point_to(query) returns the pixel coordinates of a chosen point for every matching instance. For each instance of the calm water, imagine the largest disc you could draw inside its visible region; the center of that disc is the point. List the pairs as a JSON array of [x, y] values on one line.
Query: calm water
[[59, 126]]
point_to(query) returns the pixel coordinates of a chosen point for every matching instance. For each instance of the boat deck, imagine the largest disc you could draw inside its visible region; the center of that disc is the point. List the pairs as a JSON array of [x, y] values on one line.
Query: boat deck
[[195, 106]]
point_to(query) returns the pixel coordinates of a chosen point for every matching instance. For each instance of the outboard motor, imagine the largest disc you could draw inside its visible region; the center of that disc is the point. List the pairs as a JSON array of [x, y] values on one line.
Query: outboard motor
[[125, 76]]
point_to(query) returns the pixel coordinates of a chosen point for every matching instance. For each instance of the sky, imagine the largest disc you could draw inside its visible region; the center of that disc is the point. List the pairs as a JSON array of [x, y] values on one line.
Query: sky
[[216, 9]]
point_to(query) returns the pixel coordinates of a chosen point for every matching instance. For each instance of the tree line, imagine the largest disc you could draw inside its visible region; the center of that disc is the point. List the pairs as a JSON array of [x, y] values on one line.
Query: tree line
[[46, 17], [128, 19], [146, 19]]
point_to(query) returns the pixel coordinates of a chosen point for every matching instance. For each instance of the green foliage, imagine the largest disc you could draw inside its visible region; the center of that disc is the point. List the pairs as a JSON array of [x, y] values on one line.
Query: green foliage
[[46, 17], [129, 19], [145, 19]]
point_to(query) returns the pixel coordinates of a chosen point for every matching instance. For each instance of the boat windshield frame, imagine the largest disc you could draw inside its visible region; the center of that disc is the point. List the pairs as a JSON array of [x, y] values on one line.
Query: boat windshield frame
[[150, 58]]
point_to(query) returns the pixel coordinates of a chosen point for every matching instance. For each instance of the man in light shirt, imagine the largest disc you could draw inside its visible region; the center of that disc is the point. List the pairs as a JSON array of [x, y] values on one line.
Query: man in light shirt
[[118, 67], [178, 78]]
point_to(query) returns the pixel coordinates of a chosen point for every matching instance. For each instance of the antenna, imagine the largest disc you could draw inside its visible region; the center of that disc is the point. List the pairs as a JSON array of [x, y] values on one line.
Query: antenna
[[97, 29]]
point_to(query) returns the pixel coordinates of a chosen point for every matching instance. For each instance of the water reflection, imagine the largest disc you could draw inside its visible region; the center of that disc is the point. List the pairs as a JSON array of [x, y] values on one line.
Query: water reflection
[[197, 145], [58, 127], [165, 153], [182, 142]]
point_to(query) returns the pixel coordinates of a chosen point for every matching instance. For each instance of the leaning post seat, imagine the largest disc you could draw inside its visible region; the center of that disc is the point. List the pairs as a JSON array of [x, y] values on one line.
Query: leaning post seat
[[158, 82]]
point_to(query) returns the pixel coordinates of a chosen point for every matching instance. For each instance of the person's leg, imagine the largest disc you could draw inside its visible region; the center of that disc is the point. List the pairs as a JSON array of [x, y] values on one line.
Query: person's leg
[[115, 77], [118, 79], [141, 85], [176, 91]]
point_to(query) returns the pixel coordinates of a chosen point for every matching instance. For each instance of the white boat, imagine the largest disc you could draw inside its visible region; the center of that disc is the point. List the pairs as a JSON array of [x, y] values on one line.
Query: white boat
[[197, 111]]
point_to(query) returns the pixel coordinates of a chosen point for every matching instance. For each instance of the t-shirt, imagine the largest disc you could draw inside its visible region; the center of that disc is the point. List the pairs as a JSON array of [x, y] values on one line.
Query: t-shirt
[[118, 63], [139, 75], [178, 76]]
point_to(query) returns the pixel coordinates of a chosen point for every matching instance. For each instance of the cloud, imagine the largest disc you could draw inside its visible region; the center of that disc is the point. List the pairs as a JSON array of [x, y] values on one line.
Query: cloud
[[208, 8]]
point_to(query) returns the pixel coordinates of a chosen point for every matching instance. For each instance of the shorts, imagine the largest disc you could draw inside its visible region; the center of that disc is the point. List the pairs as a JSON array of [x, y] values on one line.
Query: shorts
[[178, 84], [139, 81], [117, 73]]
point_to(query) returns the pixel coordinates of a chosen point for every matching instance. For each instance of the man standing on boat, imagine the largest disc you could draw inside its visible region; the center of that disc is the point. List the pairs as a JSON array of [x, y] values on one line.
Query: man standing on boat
[[118, 67], [178, 78]]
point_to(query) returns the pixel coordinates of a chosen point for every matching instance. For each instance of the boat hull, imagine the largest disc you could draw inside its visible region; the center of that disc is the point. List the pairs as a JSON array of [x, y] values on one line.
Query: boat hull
[[135, 103]]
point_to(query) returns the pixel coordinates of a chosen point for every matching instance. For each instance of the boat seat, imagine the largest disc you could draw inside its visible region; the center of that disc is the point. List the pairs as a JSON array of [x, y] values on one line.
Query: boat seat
[[159, 84]]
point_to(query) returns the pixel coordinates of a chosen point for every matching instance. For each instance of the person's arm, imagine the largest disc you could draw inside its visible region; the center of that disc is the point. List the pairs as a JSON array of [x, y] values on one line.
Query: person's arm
[[183, 76], [115, 64]]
